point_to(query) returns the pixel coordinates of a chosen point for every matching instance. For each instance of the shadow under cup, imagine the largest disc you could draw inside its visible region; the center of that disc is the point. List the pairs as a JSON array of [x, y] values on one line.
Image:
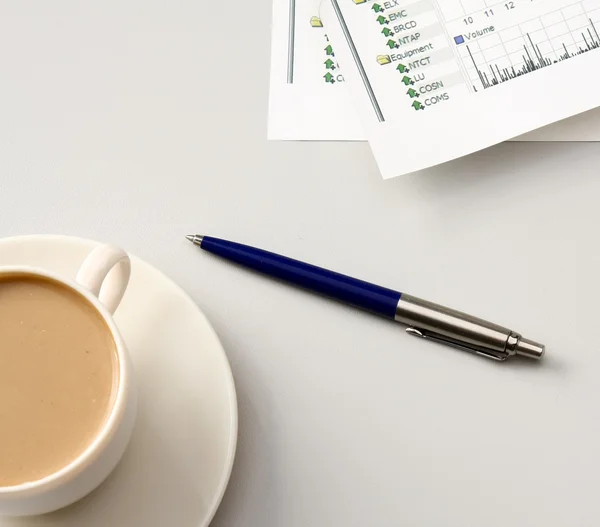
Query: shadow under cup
[[59, 378]]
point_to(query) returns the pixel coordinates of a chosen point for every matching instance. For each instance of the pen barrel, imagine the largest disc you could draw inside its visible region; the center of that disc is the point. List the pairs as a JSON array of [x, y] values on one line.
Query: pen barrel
[[457, 328], [358, 293]]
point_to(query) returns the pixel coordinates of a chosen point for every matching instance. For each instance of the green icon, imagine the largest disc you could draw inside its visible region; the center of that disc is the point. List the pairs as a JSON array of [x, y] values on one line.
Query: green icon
[[391, 44], [377, 8], [417, 105], [382, 20], [412, 93], [329, 78], [387, 32], [329, 64], [407, 81], [402, 68], [329, 51]]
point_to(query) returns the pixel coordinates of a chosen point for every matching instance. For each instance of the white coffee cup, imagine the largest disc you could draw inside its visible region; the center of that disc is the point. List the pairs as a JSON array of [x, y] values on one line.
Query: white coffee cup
[[102, 280]]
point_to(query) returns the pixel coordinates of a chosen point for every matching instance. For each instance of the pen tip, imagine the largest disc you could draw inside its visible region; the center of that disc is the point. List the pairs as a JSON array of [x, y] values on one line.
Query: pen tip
[[195, 239]]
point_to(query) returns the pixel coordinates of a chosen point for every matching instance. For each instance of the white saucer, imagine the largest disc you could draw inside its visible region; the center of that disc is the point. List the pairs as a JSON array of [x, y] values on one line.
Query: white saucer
[[178, 463]]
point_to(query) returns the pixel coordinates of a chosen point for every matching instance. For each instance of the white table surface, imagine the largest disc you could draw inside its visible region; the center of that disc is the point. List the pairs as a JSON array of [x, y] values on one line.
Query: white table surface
[[139, 122]]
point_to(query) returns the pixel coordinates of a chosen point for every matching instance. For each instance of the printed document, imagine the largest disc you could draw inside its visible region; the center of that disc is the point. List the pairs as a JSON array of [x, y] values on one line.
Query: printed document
[[308, 99], [434, 80]]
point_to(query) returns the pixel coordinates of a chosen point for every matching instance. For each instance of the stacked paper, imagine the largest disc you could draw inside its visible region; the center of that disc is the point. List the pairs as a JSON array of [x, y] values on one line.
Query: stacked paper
[[434, 79]]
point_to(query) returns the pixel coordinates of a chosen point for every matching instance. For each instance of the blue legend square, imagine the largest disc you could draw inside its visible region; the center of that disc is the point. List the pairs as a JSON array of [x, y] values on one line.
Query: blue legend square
[[459, 39]]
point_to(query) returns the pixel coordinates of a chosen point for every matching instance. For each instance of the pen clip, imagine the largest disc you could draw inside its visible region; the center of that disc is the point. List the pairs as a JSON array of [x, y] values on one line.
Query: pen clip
[[498, 356]]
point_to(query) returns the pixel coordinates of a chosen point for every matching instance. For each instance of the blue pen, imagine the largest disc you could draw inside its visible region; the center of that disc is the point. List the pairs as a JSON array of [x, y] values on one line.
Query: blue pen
[[423, 319]]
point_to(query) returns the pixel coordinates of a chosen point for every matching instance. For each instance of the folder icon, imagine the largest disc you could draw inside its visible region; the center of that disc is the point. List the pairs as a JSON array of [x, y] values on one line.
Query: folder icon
[[383, 59], [359, 1], [315, 21]]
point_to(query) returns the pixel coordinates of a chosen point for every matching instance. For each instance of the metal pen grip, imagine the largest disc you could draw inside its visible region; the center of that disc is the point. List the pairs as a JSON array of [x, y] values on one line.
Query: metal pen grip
[[428, 320]]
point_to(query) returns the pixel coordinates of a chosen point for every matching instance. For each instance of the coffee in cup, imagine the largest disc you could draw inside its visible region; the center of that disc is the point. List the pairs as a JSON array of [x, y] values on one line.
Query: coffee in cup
[[58, 376], [67, 388]]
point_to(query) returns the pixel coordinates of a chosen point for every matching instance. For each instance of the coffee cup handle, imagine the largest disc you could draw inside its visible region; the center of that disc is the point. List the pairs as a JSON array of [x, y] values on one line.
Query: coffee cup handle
[[105, 272]]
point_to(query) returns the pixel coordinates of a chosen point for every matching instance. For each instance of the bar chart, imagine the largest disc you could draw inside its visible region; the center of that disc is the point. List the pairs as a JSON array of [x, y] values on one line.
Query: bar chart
[[494, 52]]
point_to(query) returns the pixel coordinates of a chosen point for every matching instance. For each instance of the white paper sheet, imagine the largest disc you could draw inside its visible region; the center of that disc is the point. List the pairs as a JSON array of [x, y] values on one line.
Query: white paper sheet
[[307, 107], [434, 80]]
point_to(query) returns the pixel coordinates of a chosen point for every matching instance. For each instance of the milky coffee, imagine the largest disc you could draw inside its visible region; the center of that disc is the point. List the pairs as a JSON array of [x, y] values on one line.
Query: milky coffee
[[58, 377]]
